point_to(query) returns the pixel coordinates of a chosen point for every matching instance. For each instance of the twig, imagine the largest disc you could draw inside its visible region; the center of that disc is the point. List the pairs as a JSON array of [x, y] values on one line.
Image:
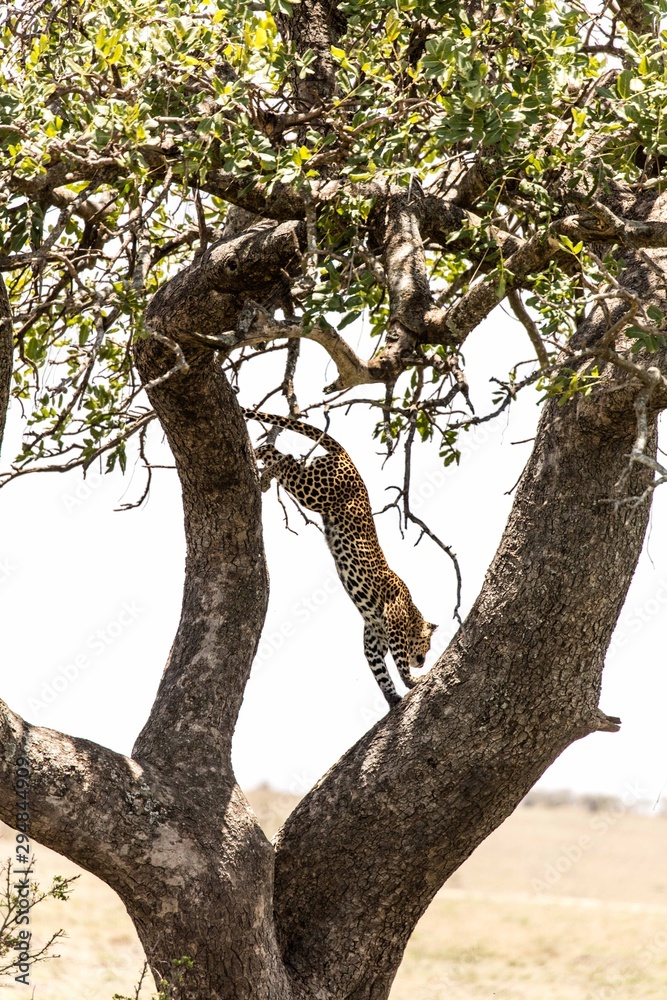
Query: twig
[[425, 530], [149, 470], [180, 366], [653, 378], [450, 552], [282, 504], [144, 973]]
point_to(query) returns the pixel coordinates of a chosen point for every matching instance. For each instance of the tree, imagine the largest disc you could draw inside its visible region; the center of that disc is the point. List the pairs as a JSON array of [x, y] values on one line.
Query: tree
[[188, 187]]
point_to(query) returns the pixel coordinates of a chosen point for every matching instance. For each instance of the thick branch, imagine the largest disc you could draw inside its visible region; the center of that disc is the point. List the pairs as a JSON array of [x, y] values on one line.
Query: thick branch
[[407, 279], [50, 188], [405, 264], [442, 218], [206, 297], [256, 326], [648, 233], [82, 799], [190, 729], [225, 594], [314, 25], [96, 207], [636, 16], [361, 857], [182, 863], [281, 203], [451, 325], [410, 300]]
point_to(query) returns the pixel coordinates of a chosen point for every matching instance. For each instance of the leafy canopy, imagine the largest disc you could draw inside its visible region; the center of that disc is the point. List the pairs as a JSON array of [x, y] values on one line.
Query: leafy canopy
[[127, 128]]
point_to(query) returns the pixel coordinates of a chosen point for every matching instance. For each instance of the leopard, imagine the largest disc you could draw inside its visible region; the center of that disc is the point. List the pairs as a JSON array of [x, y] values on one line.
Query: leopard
[[332, 486]]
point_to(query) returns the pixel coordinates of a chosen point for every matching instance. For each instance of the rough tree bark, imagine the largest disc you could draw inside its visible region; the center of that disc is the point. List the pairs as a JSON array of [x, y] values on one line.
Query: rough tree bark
[[327, 910]]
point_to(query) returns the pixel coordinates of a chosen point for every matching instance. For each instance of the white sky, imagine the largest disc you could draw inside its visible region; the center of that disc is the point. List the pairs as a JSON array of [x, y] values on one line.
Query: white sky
[[91, 598]]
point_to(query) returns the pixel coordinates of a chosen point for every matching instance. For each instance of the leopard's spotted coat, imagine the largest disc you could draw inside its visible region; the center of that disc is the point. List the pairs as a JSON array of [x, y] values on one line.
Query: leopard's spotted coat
[[332, 486]]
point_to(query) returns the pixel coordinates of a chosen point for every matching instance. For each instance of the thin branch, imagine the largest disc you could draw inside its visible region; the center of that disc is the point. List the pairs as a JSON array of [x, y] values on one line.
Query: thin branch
[[140, 983], [287, 386], [530, 327], [84, 461], [284, 509], [448, 551], [256, 325], [30, 257], [403, 493]]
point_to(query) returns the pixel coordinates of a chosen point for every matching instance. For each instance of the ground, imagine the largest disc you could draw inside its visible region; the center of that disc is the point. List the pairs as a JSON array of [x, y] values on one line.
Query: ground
[[563, 903]]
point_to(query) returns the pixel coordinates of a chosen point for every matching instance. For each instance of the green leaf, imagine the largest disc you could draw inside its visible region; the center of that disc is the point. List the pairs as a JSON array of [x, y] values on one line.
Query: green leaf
[[623, 83], [392, 26]]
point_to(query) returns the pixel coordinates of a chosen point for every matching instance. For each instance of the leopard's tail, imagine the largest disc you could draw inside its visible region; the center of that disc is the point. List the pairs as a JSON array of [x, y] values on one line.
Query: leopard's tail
[[292, 424]]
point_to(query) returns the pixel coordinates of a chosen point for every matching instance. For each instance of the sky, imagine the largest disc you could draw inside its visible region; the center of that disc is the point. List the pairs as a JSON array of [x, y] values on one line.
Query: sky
[[91, 596]]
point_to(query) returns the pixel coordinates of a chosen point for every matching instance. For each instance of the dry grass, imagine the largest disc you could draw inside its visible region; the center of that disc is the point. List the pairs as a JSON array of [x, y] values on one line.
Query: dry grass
[[558, 904]]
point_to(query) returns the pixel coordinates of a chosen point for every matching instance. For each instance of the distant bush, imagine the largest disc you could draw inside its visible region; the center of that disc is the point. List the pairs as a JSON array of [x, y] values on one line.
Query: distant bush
[[16, 905]]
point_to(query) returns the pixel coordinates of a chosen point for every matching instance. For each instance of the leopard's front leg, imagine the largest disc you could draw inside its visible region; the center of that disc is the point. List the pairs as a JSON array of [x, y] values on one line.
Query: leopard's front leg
[[399, 651], [376, 648]]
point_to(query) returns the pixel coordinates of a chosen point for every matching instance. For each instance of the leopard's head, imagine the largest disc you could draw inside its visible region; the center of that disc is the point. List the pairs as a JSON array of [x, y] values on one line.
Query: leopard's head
[[419, 644]]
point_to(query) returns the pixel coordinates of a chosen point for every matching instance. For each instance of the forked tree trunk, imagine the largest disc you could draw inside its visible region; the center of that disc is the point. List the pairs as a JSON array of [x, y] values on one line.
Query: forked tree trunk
[[326, 913]]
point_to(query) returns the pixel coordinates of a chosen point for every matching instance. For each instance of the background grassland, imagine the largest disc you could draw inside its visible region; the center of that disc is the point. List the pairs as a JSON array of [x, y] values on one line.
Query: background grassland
[[558, 904]]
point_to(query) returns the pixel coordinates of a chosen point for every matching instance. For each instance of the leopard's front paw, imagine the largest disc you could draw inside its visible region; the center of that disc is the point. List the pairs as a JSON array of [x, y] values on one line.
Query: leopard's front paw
[[265, 479]]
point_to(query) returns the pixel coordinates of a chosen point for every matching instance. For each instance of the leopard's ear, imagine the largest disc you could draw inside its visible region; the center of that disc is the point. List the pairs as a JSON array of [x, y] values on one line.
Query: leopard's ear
[[431, 627]]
